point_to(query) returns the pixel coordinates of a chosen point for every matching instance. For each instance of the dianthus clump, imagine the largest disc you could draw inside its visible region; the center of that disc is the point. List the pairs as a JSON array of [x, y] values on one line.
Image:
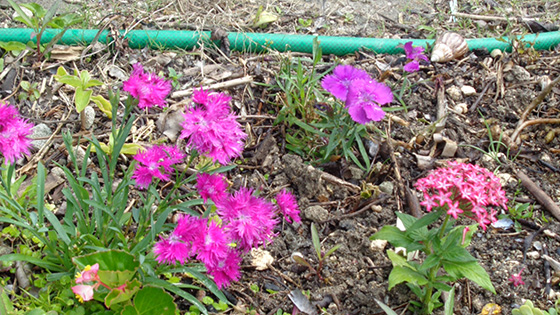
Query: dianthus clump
[[211, 127], [149, 88], [463, 189], [156, 162], [14, 132], [362, 95], [242, 221], [414, 55]]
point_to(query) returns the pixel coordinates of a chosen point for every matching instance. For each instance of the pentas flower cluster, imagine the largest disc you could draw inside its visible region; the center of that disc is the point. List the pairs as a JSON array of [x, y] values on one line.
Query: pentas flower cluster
[[242, 219], [463, 189], [14, 132], [414, 55], [211, 127], [516, 278], [149, 88], [362, 95], [156, 162], [88, 281]]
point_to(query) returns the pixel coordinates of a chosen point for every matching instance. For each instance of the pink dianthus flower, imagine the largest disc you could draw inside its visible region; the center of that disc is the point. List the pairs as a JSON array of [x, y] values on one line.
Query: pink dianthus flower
[[211, 186], [249, 220], [13, 133], [288, 206], [463, 188], [226, 269], [365, 98], [155, 162], [414, 55], [212, 129], [342, 78], [149, 88]]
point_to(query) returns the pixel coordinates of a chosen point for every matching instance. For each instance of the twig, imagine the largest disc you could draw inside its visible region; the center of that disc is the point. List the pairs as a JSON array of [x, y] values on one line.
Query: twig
[[215, 86], [522, 121], [539, 194], [547, 272], [396, 168], [490, 18], [528, 241]]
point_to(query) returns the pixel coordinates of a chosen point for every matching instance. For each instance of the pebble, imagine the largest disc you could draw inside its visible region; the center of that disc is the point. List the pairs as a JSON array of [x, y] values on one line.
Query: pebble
[[454, 92], [461, 108], [517, 73], [378, 245], [117, 73], [40, 131], [387, 187], [468, 90], [316, 214], [533, 255], [261, 258], [89, 114]]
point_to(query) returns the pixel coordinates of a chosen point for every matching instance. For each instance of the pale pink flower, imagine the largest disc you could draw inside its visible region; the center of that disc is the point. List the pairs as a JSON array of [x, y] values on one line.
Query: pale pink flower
[[414, 55], [365, 98], [212, 129], [149, 88], [83, 292], [288, 206], [516, 279], [342, 78], [14, 132], [211, 186], [463, 188], [88, 274], [155, 162]]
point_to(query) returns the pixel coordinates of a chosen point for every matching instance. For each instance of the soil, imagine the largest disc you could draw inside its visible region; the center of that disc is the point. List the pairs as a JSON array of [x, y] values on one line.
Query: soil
[[356, 273]]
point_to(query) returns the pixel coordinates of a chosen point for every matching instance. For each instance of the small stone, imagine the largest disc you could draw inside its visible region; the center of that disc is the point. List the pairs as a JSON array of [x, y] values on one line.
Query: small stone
[[117, 73], [533, 255], [517, 73], [544, 81], [468, 90], [378, 245], [454, 92], [165, 58], [387, 187], [316, 213], [80, 154], [40, 131], [461, 108], [537, 245], [89, 117], [260, 258]]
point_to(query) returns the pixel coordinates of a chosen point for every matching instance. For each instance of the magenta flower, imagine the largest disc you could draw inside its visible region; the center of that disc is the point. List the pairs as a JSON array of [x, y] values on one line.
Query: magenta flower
[[13, 133], [211, 186], [155, 162], [172, 250], [226, 270], [516, 279], [414, 54], [463, 189], [83, 292], [365, 98], [214, 246], [212, 128], [340, 81], [249, 220], [288, 206], [148, 88]]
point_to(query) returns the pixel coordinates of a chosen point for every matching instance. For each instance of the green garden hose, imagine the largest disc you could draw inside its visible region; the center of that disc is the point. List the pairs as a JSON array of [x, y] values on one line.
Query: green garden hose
[[256, 42]]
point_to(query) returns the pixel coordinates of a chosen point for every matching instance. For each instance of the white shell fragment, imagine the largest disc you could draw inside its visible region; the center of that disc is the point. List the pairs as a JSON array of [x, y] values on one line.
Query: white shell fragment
[[503, 224], [261, 258], [468, 90], [449, 46]]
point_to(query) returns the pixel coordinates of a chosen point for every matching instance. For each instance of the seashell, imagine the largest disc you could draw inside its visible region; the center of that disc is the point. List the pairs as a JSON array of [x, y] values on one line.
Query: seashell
[[449, 46]]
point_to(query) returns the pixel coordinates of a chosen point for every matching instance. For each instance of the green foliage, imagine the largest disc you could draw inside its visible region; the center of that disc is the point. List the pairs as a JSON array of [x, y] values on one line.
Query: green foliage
[[444, 249], [81, 81], [39, 19], [30, 91], [529, 309], [174, 76]]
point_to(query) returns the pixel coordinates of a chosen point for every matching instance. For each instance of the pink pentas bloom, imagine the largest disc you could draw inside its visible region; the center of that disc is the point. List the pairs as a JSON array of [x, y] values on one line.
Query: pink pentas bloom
[[212, 129], [287, 205], [14, 132], [414, 55], [155, 162], [249, 220], [88, 274], [365, 98], [84, 292], [342, 78], [211, 186], [516, 278], [149, 88], [463, 189]]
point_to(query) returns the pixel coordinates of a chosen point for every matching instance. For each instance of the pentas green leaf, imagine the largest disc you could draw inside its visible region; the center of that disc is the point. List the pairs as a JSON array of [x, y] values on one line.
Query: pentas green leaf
[[393, 235], [442, 286], [406, 219], [404, 274], [431, 261], [457, 254], [470, 270]]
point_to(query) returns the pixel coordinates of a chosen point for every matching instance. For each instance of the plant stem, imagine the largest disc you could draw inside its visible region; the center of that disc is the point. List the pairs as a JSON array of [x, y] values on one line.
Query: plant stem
[[443, 226]]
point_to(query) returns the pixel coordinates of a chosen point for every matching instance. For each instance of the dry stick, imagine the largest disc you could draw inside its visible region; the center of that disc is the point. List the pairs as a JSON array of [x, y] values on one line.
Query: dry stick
[[215, 86], [522, 121], [400, 185], [539, 194], [490, 18]]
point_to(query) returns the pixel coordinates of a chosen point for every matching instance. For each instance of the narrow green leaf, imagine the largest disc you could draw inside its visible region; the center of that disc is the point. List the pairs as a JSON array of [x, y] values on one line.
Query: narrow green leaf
[[32, 260], [316, 241], [448, 306], [26, 19], [386, 309]]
